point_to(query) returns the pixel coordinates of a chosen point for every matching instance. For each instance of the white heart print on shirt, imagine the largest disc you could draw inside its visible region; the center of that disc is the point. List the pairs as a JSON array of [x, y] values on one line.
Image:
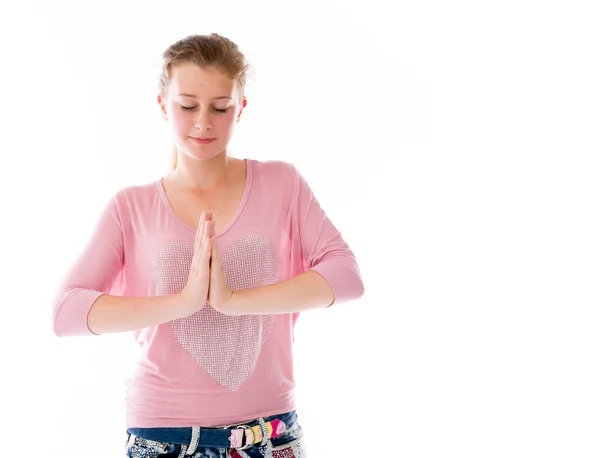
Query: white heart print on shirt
[[227, 347]]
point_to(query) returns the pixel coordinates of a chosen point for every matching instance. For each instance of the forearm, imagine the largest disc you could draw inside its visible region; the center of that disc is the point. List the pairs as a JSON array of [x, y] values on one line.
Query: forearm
[[303, 292], [111, 314]]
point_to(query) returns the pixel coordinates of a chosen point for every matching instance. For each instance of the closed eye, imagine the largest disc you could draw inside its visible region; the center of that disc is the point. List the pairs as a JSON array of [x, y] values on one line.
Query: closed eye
[[184, 108]]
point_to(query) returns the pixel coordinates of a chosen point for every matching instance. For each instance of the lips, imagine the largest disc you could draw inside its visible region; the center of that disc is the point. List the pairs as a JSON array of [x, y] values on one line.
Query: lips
[[203, 141]]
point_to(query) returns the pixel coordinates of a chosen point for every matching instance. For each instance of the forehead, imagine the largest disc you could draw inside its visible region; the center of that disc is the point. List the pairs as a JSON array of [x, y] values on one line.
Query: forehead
[[200, 81]]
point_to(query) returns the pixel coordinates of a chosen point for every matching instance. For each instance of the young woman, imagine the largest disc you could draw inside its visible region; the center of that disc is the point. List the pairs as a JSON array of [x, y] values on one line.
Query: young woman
[[209, 266]]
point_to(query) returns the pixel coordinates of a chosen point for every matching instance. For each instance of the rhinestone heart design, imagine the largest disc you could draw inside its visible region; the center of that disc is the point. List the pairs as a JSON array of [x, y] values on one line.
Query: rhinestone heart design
[[227, 347]]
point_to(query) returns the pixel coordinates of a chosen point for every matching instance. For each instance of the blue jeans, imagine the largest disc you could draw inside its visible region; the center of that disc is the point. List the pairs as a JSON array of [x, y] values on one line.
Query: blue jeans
[[289, 444]]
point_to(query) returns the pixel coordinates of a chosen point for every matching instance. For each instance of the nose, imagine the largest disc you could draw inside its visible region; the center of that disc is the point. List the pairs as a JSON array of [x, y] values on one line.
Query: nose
[[202, 122]]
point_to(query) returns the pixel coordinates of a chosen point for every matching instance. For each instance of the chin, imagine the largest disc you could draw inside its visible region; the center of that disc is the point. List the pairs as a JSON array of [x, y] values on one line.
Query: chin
[[204, 152]]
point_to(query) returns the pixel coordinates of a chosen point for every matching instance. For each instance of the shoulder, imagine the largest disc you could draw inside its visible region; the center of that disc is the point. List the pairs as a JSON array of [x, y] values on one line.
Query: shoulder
[[275, 181], [274, 170], [137, 191], [275, 175], [137, 197]]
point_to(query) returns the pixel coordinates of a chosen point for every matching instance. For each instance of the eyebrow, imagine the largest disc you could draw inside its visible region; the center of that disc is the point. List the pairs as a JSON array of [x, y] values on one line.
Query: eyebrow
[[215, 98]]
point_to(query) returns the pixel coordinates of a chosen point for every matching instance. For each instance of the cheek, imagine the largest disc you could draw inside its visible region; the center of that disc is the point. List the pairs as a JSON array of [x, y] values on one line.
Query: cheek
[[225, 122], [180, 121]]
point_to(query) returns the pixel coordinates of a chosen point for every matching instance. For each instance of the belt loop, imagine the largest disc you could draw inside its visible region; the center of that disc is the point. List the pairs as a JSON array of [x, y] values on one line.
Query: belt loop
[[130, 441], [195, 440], [265, 431]]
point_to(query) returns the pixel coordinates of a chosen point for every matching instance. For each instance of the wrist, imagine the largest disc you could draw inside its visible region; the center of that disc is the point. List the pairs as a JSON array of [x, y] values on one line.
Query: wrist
[[235, 302], [184, 307], [180, 306]]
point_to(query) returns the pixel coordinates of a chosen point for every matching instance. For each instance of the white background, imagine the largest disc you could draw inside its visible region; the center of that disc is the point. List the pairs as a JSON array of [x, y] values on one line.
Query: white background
[[455, 146]]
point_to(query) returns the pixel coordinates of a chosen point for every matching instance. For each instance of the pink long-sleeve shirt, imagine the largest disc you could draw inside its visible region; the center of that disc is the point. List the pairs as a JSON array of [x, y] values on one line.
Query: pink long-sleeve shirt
[[208, 369]]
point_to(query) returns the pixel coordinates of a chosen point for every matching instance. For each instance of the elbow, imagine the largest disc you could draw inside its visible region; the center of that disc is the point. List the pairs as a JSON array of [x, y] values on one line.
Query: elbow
[[65, 327], [344, 278], [58, 319], [355, 285], [351, 278], [59, 327], [60, 324], [70, 310], [58, 330], [359, 287]]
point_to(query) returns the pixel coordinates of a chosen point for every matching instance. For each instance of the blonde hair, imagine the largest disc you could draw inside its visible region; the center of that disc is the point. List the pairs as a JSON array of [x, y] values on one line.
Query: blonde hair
[[204, 50]]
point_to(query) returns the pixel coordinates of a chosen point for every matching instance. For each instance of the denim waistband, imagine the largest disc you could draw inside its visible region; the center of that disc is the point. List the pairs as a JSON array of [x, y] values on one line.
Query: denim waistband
[[216, 437]]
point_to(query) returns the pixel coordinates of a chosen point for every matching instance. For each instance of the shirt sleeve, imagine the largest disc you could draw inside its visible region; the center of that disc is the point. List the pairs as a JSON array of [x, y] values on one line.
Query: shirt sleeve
[[323, 248], [98, 270]]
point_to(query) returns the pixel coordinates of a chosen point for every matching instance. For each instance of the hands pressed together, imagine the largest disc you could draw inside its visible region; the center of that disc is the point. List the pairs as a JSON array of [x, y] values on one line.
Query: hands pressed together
[[206, 281]]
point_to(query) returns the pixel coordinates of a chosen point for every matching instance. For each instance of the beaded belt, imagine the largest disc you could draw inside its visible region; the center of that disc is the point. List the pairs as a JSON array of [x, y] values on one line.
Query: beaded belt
[[239, 437]]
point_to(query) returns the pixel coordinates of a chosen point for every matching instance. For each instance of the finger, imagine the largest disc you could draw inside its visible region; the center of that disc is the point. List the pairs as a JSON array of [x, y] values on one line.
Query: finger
[[206, 230], [203, 231], [216, 257], [198, 248], [210, 219], [200, 231], [215, 246], [210, 229], [200, 244], [214, 263], [208, 216], [206, 252]]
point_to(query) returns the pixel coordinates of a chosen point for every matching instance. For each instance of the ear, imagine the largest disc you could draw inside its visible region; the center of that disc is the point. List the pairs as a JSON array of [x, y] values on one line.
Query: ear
[[163, 109], [244, 103]]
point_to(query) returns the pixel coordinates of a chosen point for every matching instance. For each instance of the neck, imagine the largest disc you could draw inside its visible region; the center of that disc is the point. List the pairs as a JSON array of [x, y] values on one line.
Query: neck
[[202, 175]]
